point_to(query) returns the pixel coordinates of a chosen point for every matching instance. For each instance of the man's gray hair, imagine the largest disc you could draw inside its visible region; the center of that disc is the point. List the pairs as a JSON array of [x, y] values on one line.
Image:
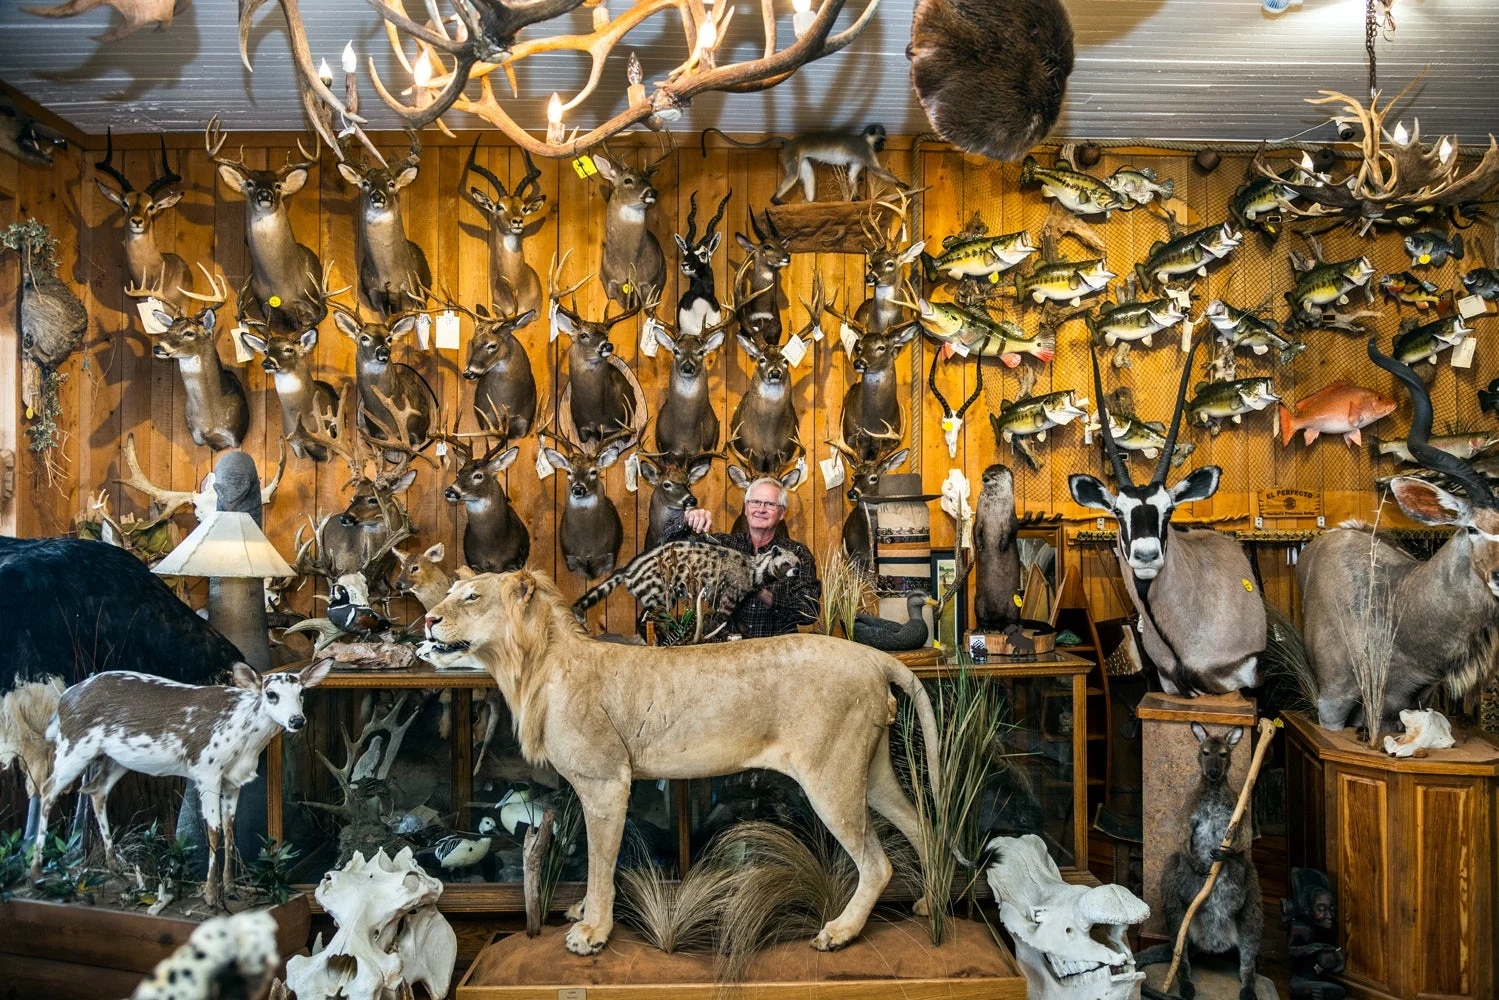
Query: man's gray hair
[[782, 494]]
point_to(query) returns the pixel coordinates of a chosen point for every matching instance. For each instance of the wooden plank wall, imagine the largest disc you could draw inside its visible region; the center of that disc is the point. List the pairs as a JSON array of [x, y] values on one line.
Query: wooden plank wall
[[116, 388]]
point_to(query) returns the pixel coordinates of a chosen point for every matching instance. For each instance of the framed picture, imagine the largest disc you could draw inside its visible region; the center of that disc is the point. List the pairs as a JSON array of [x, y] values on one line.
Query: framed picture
[[954, 619]]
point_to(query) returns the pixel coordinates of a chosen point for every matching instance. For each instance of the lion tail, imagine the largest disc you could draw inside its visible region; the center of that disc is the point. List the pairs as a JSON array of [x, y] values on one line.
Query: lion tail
[[900, 675]]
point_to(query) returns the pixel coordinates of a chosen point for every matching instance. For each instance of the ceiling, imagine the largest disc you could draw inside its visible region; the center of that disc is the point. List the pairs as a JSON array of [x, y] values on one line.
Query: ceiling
[[1163, 69]]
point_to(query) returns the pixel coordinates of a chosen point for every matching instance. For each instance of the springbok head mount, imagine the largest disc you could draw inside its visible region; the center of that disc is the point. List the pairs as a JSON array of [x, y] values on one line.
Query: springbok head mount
[[1143, 513], [1477, 513]]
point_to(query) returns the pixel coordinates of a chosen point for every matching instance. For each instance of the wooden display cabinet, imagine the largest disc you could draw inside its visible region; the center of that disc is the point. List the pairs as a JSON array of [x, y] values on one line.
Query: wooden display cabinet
[[1042, 785]]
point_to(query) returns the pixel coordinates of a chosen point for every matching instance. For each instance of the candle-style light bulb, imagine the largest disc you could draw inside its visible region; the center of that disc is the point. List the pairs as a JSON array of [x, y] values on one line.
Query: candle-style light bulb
[[350, 62], [707, 36], [555, 132], [325, 72], [1444, 151], [1401, 135], [636, 77], [801, 16], [421, 73]]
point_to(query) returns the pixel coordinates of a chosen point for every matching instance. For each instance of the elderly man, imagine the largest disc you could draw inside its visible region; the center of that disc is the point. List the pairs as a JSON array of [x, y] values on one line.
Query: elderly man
[[781, 607]]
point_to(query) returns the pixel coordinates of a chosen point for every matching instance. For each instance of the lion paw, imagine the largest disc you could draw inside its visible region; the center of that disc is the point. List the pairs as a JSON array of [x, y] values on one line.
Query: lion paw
[[574, 912], [583, 939], [829, 939], [922, 907]]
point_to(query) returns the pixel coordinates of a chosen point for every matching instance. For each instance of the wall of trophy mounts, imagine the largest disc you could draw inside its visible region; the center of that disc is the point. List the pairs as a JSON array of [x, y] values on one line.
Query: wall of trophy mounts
[[117, 391]]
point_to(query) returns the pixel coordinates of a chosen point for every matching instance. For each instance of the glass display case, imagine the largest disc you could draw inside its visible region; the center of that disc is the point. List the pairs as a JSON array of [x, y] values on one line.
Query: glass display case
[[421, 758]]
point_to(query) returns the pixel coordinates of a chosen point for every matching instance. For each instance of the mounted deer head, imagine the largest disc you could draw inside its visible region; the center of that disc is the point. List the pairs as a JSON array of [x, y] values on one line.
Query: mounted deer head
[[887, 262], [766, 259], [599, 395], [387, 386], [764, 428], [632, 266], [505, 389], [590, 532], [873, 401], [393, 271], [284, 358], [495, 539], [671, 494], [515, 286], [864, 481], [148, 268]]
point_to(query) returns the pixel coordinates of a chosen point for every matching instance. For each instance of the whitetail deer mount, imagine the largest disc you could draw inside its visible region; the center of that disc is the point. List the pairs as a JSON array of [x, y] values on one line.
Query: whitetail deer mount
[[632, 267], [590, 532], [393, 272], [602, 395]]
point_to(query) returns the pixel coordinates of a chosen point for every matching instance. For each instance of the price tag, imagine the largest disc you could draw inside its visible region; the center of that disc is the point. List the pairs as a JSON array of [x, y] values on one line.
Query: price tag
[[1186, 335], [1470, 306], [1088, 432], [147, 308], [447, 331], [794, 350], [832, 471], [817, 333], [801, 471], [423, 331], [584, 167], [960, 349], [967, 532], [1462, 354], [441, 449], [649, 345], [543, 467], [552, 320], [848, 338], [632, 473], [242, 352]]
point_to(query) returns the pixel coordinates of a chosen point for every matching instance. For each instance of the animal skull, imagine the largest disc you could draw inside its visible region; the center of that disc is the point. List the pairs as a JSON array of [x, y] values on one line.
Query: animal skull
[[1069, 939], [1424, 729], [388, 924]]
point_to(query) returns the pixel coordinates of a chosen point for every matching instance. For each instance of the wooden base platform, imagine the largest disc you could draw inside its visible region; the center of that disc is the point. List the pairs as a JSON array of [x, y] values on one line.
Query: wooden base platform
[[891, 959]]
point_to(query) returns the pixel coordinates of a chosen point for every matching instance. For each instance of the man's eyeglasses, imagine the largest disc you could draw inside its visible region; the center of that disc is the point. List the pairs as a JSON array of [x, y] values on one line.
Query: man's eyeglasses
[[762, 504]]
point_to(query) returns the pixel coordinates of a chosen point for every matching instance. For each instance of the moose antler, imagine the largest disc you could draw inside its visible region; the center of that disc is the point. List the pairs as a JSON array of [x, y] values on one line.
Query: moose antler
[[486, 41]]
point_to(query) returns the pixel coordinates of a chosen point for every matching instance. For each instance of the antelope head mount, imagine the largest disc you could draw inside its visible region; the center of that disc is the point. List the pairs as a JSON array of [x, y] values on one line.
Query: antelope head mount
[[515, 288], [159, 274], [760, 315]]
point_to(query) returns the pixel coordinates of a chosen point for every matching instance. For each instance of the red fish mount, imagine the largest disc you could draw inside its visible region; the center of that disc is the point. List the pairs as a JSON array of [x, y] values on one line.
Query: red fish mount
[[1339, 408]]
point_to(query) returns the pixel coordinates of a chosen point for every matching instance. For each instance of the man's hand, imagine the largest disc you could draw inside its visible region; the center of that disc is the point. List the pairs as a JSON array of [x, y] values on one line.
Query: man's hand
[[698, 519], [766, 597]]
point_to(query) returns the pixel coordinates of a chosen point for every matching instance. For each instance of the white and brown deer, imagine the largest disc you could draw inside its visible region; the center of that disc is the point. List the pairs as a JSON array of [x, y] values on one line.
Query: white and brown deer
[[1444, 612], [148, 268], [122, 721], [515, 287], [632, 267], [393, 272]]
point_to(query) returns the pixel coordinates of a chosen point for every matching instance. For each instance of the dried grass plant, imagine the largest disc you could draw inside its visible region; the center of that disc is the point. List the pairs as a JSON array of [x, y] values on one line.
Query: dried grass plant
[[675, 915], [1286, 663], [1369, 630], [847, 589], [970, 722]]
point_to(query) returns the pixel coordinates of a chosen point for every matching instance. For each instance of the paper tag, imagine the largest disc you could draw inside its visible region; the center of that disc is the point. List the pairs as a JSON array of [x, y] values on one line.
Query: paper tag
[[1471, 305], [423, 331], [961, 350], [817, 333], [242, 352], [801, 471], [967, 533], [447, 331], [1186, 335], [1087, 433], [632, 473], [794, 350], [848, 338], [552, 319], [1462, 354], [648, 343], [584, 167], [147, 308], [441, 449], [543, 467], [832, 471]]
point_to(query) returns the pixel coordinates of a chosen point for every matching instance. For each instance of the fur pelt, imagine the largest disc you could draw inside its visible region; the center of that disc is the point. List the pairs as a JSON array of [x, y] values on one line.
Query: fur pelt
[[24, 714], [1016, 53], [78, 607]]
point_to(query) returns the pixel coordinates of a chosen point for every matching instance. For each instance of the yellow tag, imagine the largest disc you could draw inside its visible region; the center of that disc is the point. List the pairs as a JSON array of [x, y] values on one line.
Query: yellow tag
[[274, 302], [584, 166], [949, 424], [1280, 723], [994, 278], [1425, 258], [1248, 585], [30, 413], [1017, 601], [624, 286]]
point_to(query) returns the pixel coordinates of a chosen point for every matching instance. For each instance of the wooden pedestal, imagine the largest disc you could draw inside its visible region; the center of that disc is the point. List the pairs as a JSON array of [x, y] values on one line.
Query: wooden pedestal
[[1410, 846], [1171, 773]]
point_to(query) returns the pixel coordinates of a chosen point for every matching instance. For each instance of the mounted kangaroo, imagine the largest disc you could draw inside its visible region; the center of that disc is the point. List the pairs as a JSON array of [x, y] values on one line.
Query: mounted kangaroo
[[217, 412], [864, 480], [495, 538], [885, 273], [590, 531], [1446, 609], [602, 394], [301, 396], [280, 267], [386, 385], [699, 306], [633, 266], [393, 271], [760, 309], [671, 492], [161, 274], [1204, 624], [515, 288], [505, 388]]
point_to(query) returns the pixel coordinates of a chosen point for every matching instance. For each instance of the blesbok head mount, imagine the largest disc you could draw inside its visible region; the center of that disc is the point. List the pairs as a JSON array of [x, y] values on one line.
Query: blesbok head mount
[[515, 288], [1202, 617], [479, 37], [952, 420], [281, 269], [393, 272], [149, 269]]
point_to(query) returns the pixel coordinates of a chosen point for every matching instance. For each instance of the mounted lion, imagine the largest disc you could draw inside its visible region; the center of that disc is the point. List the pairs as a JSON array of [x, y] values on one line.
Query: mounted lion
[[815, 708]]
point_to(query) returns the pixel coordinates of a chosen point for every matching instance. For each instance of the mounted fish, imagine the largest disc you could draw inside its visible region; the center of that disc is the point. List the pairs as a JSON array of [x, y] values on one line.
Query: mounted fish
[[964, 332], [1410, 290], [976, 257], [1464, 446], [1017, 54], [1319, 286], [25, 138], [514, 286], [53, 320], [1064, 281], [146, 266], [1483, 282], [1215, 402], [1124, 323], [1188, 255], [1425, 342], [500, 368], [1033, 416], [1339, 408], [1261, 203], [1431, 249], [1079, 193], [1139, 187], [393, 272], [1239, 328], [1148, 437]]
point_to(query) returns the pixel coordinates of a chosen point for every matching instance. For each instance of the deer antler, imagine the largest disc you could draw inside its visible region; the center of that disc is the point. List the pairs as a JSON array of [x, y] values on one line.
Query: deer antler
[[170, 501], [345, 445], [396, 436], [555, 292]]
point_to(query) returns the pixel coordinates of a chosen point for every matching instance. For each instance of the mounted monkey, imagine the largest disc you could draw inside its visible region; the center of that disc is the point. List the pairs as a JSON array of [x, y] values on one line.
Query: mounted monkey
[[855, 152]]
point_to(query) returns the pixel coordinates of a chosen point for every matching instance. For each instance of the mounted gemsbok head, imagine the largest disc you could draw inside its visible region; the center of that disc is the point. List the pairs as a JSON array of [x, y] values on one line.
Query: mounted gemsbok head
[[1443, 613], [1204, 621]]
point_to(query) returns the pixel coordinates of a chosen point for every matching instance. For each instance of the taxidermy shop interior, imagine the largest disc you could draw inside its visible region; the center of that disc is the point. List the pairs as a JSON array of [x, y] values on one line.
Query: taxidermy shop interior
[[501, 499]]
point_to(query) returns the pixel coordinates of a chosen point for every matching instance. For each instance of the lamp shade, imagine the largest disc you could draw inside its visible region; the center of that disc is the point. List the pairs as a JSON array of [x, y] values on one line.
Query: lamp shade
[[225, 544]]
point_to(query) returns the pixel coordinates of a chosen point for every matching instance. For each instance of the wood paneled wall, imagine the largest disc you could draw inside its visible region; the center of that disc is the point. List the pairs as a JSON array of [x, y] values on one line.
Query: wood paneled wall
[[115, 388]]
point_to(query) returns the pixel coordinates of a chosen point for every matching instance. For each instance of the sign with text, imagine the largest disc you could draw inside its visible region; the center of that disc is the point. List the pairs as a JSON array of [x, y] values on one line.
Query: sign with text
[[1289, 503]]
